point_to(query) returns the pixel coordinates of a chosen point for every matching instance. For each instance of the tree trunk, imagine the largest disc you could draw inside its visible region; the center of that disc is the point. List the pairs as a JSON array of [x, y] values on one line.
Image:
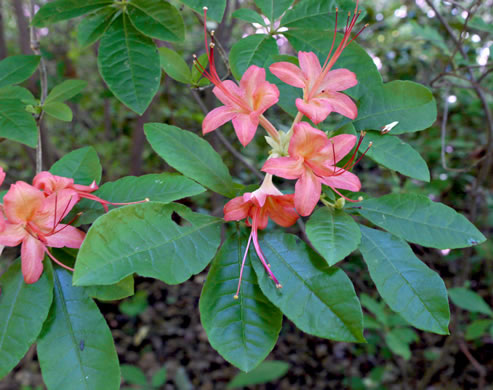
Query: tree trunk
[[22, 26]]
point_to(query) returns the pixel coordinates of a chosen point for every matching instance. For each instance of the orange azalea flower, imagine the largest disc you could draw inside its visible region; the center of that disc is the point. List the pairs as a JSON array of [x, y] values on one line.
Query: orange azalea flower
[[257, 207]]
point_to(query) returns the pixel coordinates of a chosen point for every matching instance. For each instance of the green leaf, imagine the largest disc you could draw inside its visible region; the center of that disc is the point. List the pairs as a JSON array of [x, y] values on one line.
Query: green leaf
[[144, 239], [174, 65], [23, 309], [319, 299], [157, 19], [406, 284], [242, 330], [215, 8], [16, 123], [58, 110], [469, 300], [417, 219], [162, 187], [253, 50], [82, 165], [133, 375], [58, 10], [65, 91], [477, 328], [479, 23], [317, 14], [354, 57], [395, 154], [123, 289], [409, 103], [17, 93], [134, 306], [190, 155], [333, 233], [129, 64], [266, 372], [75, 348], [273, 9], [16, 69], [397, 345], [92, 27], [248, 15], [159, 378], [375, 307]]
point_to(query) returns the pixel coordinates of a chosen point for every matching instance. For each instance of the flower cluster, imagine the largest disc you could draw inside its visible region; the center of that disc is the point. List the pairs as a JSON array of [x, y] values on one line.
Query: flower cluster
[[304, 153], [31, 215]]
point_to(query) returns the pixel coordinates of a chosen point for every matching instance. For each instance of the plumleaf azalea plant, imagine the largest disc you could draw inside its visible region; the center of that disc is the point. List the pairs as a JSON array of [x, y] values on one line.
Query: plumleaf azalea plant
[[82, 241]]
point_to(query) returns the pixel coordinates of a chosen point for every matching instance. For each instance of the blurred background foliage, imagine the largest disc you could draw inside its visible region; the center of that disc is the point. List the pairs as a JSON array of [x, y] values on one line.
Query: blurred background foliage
[[445, 45]]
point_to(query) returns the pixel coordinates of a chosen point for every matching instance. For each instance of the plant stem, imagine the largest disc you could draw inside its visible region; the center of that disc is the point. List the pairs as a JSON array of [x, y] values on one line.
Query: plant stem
[[43, 81]]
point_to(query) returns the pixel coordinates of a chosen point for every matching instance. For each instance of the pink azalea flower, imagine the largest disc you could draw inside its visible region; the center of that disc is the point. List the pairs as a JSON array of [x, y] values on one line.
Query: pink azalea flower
[[51, 184], [33, 220], [245, 104], [257, 207], [312, 161], [321, 85]]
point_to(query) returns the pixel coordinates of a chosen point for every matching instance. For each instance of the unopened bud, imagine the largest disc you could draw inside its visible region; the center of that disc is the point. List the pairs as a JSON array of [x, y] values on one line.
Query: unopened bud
[[340, 203], [388, 127], [211, 45], [235, 297], [370, 144], [212, 33], [205, 8], [147, 199], [360, 198], [278, 285]]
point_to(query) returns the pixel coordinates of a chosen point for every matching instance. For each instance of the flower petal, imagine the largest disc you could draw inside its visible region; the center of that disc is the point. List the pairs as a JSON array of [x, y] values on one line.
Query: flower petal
[[310, 65], [287, 167], [55, 207], [341, 104], [288, 73], [12, 234], [217, 117], [32, 255], [2, 175], [316, 109], [50, 183], [281, 210], [307, 193], [228, 93], [245, 127], [21, 202], [338, 80], [236, 209], [345, 181], [66, 235], [265, 96], [252, 77], [341, 144], [307, 142]]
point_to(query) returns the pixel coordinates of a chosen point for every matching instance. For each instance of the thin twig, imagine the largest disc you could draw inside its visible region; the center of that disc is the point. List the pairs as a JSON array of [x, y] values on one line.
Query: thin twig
[[443, 138], [478, 366], [225, 142], [43, 80]]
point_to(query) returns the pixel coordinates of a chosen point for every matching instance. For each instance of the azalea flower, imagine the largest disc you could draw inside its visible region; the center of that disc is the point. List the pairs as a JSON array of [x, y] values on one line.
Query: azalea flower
[[257, 207], [50, 184], [312, 161], [245, 104], [33, 220], [321, 85]]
